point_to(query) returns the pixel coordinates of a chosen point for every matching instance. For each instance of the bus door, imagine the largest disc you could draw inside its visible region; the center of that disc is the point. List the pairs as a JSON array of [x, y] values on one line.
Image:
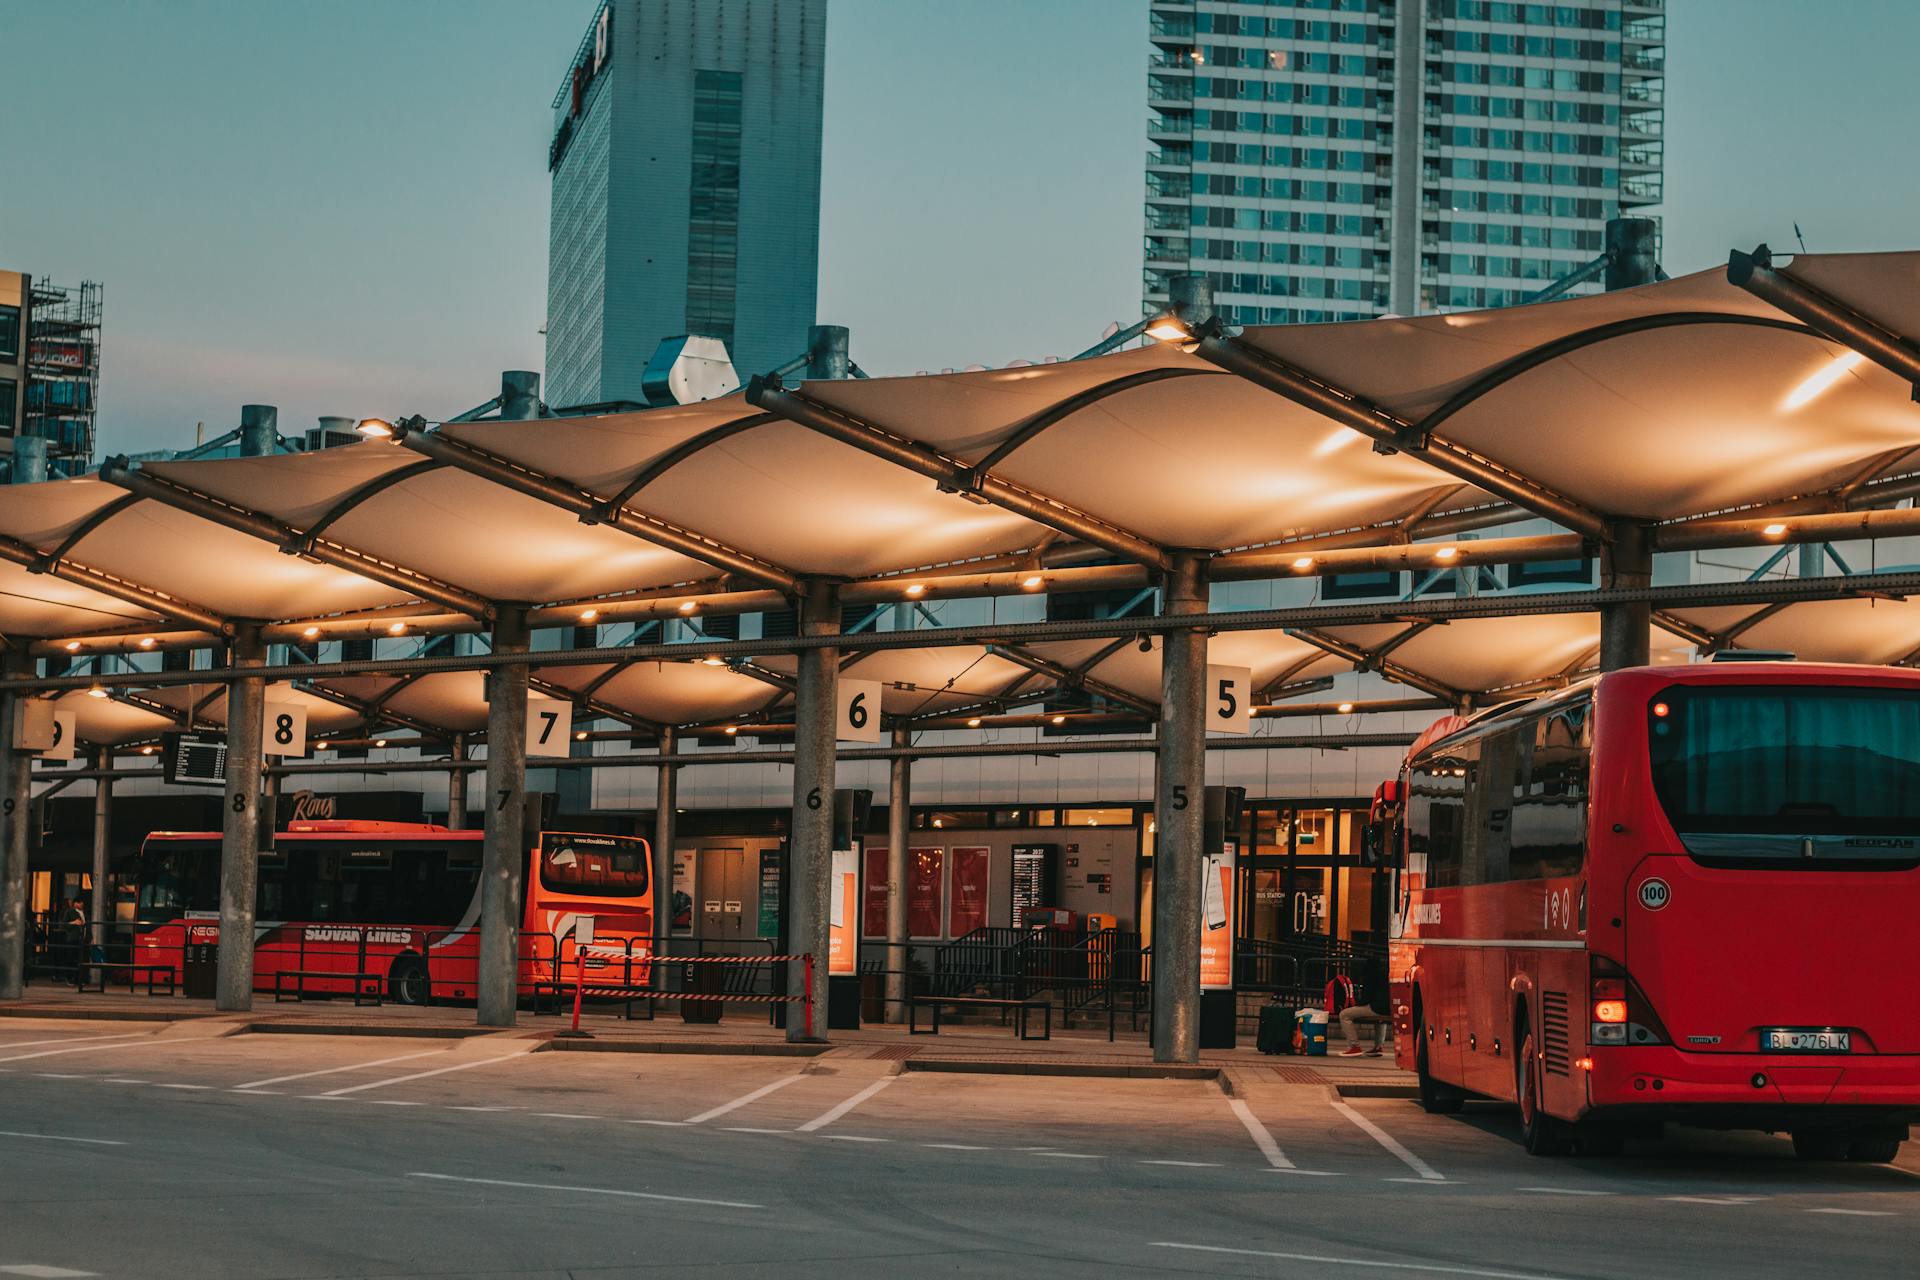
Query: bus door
[[1783, 924]]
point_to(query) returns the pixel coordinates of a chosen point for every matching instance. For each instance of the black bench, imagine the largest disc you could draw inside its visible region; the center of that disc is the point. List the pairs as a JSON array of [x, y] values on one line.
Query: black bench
[[1022, 1008], [101, 967], [368, 988]]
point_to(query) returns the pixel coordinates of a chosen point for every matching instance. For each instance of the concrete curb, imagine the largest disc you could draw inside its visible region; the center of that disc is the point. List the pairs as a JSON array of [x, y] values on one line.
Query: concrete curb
[[363, 1029], [1377, 1090], [1097, 1070], [100, 1015], [716, 1048]]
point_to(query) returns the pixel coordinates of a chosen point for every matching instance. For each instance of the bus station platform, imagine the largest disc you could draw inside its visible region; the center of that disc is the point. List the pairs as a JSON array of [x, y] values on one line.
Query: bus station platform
[[985, 1049]]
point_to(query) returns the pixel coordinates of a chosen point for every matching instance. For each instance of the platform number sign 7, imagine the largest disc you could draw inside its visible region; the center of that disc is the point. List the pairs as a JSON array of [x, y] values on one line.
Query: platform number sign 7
[[857, 711], [1229, 699], [549, 727], [285, 730]]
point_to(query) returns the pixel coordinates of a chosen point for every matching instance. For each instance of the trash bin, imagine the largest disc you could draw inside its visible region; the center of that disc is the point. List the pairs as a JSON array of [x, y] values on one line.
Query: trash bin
[[705, 979], [1276, 1029], [201, 981], [873, 997], [1312, 1025]]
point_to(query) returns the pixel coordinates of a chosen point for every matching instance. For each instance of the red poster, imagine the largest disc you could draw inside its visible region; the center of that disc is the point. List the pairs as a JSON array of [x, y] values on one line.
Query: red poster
[[873, 920], [968, 910], [924, 884]]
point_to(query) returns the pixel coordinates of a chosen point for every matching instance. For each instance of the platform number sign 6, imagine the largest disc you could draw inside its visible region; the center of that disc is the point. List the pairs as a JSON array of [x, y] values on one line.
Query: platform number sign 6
[[857, 711], [286, 730], [1229, 699], [549, 727]]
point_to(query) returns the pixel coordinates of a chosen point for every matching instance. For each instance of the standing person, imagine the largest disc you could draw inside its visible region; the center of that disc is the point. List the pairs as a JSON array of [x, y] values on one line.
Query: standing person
[[1371, 1007], [73, 931]]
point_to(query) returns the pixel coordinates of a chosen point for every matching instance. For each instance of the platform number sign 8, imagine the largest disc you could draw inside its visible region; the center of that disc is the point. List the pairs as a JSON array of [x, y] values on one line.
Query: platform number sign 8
[[1229, 699], [549, 727], [286, 730], [857, 711]]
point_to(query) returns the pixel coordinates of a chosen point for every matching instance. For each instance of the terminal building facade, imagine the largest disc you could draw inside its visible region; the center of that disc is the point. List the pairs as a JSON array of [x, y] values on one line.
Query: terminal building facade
[[685, 162], [1344, 159]]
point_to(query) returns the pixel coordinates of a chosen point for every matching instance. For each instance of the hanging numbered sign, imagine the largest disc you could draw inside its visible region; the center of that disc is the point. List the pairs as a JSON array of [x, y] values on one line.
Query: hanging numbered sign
[[857, 711], [33, 725], [285, 730], [65, 736], [1229, 700], [549, 727]]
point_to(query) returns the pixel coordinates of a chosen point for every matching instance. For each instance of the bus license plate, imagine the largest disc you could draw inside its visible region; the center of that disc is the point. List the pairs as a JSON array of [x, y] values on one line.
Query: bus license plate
[[1804, 1040]]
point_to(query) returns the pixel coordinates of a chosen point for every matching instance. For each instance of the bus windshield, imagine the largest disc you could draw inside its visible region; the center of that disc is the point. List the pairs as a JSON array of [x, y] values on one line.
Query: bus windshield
[[593, 866], [1779, 772]]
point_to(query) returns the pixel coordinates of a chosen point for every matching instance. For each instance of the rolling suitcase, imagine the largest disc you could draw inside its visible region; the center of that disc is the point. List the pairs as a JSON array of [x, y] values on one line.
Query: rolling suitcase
[[1276, 1029]]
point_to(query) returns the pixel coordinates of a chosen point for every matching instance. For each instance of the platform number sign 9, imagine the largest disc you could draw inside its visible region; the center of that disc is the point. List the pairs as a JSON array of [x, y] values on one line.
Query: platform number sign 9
[[1229, 700], [549, 727], [857, 711], [285, 730]]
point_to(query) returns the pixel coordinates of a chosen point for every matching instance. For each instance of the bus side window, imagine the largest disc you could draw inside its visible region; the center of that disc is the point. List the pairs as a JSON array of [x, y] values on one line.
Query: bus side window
[[1436, 818], [1550, 797]]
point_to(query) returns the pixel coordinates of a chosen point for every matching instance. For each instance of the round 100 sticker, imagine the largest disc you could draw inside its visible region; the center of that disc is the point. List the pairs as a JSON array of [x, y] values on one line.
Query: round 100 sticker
[[1654, 894]]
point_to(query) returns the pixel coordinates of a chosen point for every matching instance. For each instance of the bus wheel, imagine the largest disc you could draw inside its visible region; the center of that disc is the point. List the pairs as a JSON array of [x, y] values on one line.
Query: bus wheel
[[1435, 1098], [1819, 1144], [407, 982], [1876, 1148], [1540, 1133]]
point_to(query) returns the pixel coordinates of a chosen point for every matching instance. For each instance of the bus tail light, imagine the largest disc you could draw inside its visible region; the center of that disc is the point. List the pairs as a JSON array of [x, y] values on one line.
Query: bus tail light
[[1621, 1012]]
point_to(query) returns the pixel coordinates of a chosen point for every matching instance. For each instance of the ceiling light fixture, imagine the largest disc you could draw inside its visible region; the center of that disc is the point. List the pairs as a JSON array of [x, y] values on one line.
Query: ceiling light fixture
[[95, 691], [375, 428], [1446, 553], [311, 632], [1774, 530], [588, 615], [916, 588], [397, 629], [73, 646], [1034, 582], [146, 642], [1303, 563], [688, 606], [1169, 328]]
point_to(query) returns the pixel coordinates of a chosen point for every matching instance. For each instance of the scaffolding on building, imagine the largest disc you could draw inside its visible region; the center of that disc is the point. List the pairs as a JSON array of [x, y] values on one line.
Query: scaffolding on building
[[63, 372]]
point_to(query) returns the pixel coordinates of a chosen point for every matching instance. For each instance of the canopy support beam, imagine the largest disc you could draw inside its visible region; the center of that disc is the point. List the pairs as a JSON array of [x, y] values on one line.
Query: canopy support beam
[[1828, 315], [170, 607], [950, 474], [1071, 678], [1369, 660]]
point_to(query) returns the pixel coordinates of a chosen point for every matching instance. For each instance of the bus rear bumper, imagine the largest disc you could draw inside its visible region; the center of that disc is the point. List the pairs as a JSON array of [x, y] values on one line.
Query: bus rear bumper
[[1666, 1077]]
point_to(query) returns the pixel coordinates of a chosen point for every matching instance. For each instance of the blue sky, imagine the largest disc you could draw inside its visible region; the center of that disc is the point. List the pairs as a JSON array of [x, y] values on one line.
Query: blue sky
[[342, 207]]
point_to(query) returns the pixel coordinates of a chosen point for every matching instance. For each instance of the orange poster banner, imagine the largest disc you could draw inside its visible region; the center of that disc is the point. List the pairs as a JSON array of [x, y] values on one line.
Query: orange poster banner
[[1216, 920], [843, 914]]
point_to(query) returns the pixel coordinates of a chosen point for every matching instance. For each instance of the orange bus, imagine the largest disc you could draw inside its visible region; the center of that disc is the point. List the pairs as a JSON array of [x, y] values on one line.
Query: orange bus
[[345, 905]]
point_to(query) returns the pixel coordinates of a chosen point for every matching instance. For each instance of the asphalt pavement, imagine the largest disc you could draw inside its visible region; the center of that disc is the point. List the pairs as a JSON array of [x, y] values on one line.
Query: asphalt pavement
[[185, 1150]]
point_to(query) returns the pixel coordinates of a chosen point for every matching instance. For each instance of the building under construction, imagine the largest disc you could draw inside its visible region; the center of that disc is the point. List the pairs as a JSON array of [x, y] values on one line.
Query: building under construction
[[50, 367]]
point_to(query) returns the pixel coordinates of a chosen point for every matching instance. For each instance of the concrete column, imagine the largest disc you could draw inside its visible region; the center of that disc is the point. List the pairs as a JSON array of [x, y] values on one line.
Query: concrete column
[[1179, 814], [457, 787], [102, 829], [665, 797], [14, 794], [1630, 252], [240, 833], [810, 862], [519, 395], [506, 852], [259, 430], [1626, 562], [899, 833], [829, 352], [29, 460]]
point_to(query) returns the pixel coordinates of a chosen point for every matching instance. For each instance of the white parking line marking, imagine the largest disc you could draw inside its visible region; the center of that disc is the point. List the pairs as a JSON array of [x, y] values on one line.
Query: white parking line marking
[[1430, 1268], [391, 1102], [744, 1129], [352, 1066], [183, 1086], [261, 1093], [1715, 1200], [1566, 1191], [664, 1124], [31, 1044], [54, 1137], [59, 1075], [121, 1080], [1184, 1164], [742, 1101], [1066, 1155], [1258, 1132], [1392, 1144], [483, 1109], [422, 1075], [564, 1115], [849, 1137], [99, 1042], [588, 1191], [822, 1121], [1856, 1213], [43, 1273], [1315, 1173], [954, 1146]]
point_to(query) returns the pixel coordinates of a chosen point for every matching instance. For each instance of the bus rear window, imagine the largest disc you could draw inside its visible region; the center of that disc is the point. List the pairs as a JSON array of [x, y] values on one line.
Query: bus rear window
[[594, 866], [1764, 772]]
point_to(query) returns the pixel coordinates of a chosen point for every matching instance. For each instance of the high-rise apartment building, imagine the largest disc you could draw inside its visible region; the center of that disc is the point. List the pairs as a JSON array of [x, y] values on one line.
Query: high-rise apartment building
[[1341, 159], [686, 189], [50, 367]]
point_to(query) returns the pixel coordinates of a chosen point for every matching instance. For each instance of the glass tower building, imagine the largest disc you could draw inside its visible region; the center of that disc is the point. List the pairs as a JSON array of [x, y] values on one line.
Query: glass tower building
[[1341, 159], [685, 161]]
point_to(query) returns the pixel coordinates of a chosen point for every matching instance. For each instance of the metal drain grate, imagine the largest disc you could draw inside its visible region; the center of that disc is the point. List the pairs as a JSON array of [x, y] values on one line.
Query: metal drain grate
[[894, 1052]]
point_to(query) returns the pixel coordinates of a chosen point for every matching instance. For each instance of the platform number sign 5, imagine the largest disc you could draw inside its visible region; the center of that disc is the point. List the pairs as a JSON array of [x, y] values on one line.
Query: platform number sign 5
[[549, 727], [857, 711], [1229, 700], [286, 730]]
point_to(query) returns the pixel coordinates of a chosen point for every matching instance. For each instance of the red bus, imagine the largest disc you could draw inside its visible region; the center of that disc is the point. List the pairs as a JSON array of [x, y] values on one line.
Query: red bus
[[1670, 896], [399, 900]]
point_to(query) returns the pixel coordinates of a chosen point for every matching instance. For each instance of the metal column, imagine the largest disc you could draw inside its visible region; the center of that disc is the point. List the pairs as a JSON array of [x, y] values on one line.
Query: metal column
[[259, 430], [29, 460], [240, 833], [1631, 260], [665, 798], [1179, 814], [14, 794], [506, 854], [810, 860], [899, 830], [1626, 562], [519, 395], [829, 352], [102, 828], [457, 787]]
